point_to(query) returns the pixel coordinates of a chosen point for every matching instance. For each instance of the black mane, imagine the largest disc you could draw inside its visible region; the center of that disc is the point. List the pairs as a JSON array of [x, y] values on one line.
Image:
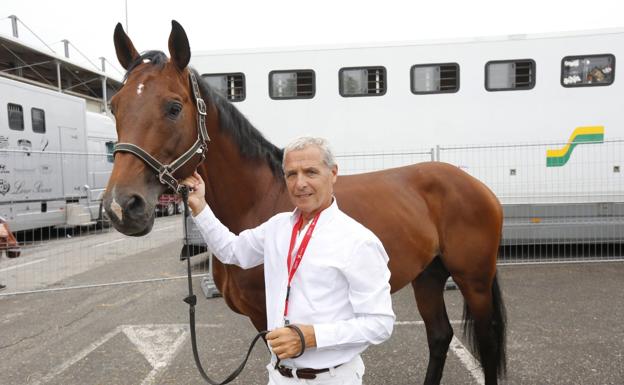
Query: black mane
[[251, 143]]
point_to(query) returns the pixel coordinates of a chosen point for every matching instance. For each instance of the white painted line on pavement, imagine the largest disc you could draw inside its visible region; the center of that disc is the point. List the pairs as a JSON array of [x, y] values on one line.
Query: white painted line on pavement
[[22, 265], [82, 354], [158, 344], [166, 228], [121, 328], [109, 242], [466, 358]]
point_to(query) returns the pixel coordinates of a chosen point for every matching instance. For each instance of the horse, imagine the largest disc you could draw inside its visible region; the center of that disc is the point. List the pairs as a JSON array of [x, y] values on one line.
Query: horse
[[433, 219]]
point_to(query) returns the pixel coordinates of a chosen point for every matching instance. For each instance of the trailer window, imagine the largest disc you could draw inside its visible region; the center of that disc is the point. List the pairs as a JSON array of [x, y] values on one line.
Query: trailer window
[[38, 120], [510, 75], [362, 81], [110, 149], [435, 78], [588, 70], [16, 116], [230, 85], [292, 84]]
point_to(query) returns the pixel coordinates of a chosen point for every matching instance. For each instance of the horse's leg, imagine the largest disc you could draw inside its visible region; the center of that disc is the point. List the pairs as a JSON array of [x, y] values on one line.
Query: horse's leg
[[429, 292], [485, 316]]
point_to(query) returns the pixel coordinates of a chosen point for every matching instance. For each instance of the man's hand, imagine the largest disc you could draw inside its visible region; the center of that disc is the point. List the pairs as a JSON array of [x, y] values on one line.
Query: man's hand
[[286, 343], [197, 190], [3, 231]]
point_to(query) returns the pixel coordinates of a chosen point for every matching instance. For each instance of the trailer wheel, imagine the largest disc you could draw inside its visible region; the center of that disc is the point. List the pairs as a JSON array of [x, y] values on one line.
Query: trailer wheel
[[13, 253]]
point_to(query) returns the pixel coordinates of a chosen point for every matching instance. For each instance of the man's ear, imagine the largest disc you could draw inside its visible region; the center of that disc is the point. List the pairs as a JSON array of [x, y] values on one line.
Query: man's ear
[[334, 171]]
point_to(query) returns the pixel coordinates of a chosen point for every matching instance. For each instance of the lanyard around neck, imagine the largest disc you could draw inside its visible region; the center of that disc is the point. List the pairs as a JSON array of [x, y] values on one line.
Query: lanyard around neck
[[293, 265]]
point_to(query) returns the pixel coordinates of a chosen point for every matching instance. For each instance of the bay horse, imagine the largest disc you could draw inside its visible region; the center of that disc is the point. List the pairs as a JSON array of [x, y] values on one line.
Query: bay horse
[[433, 219]]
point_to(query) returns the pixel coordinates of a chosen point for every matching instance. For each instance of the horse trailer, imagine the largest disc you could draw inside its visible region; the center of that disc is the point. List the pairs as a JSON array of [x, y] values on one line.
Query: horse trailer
[[55, 157], [538, 118]]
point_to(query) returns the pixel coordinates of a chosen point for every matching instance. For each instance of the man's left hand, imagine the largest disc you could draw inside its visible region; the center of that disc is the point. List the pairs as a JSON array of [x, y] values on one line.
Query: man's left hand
[[286, 343]]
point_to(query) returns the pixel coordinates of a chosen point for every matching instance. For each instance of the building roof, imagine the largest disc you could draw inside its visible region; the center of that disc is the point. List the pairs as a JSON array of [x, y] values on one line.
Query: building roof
[[20, 61]]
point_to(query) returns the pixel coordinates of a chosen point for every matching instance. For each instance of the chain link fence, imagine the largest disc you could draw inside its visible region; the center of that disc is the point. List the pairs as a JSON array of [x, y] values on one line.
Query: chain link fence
[[572, 211], [563, 213]]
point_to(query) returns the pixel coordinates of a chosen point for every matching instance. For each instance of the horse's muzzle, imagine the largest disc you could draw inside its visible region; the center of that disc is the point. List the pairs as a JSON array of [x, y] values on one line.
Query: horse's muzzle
[[130, 214]]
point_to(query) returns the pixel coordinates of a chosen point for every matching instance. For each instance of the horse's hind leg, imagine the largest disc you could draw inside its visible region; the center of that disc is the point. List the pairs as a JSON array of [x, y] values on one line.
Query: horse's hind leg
[[429, 292], [485, 314]]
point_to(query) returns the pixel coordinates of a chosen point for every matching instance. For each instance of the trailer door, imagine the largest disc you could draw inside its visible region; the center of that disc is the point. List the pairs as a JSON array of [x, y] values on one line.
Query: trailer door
[[73, 162]]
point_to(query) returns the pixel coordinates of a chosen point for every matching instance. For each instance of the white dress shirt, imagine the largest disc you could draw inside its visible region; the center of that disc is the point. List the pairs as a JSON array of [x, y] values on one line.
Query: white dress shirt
[[341, 286]]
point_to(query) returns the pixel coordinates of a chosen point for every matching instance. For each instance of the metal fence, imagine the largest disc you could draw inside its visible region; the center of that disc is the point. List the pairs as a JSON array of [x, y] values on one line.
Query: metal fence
[[51, 200], [571, 212]]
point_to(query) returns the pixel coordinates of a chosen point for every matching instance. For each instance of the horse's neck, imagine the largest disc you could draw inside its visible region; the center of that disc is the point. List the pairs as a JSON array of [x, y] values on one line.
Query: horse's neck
[[242, 193]]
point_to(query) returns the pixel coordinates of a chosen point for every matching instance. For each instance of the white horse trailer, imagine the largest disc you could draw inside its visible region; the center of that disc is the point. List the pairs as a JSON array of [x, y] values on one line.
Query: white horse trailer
[[538, 118], [55, 157]]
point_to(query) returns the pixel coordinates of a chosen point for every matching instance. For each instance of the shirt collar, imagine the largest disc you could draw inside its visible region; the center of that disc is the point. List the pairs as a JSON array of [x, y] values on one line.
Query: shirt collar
[[326, 215]]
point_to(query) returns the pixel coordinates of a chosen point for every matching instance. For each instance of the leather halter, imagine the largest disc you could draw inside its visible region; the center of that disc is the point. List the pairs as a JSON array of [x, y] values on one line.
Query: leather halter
[[165, 171]]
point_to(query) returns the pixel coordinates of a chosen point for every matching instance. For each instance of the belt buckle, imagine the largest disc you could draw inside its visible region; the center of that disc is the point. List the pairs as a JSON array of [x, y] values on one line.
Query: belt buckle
[[305, 375], [294, 373]]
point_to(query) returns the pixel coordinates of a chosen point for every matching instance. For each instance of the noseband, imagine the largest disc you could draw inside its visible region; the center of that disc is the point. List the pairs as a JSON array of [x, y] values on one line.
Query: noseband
[[165, 171]]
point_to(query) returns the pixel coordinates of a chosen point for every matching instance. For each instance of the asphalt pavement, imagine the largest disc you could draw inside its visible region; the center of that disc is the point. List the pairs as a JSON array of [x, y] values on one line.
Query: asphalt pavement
[[565, 327]]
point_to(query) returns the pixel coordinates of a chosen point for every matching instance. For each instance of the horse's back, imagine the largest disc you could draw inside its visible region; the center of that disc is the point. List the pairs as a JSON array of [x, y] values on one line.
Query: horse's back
[[434, 184], [422, 211]]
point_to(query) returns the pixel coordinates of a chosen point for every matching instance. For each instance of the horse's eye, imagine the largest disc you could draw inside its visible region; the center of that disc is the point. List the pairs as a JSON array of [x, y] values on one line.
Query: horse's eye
[[174, 109]]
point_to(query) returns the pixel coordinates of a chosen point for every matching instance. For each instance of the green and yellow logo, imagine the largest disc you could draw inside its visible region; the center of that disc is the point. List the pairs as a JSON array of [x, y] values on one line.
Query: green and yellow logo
[[590, 134]]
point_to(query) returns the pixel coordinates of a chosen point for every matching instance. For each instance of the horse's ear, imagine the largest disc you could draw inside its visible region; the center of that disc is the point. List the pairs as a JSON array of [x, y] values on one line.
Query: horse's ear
[[179, 48], [126, 53]]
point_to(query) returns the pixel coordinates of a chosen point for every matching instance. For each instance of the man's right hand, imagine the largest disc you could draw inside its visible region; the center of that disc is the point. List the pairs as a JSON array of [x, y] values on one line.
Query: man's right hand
[[197, 191]]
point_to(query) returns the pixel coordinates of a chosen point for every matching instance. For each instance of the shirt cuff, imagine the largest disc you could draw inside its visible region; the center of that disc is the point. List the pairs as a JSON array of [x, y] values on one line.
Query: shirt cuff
[[204, 215], [325, 335]]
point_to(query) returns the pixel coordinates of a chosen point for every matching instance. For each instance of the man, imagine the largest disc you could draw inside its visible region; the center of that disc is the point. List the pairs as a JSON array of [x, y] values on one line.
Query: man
[[326, 275]]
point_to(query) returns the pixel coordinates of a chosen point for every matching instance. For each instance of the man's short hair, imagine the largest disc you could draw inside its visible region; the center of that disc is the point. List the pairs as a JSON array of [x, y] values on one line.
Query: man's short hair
[[304, 142]]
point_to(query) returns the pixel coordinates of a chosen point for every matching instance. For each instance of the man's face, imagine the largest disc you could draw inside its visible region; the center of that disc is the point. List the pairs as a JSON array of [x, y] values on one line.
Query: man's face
[[309, 181]]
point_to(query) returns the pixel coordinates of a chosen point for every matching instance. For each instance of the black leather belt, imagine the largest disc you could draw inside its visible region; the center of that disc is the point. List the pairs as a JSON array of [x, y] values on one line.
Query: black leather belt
[[305, 373]]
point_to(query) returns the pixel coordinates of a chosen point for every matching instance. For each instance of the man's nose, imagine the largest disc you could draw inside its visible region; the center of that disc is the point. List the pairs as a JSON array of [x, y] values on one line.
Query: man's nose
[[301, 181]]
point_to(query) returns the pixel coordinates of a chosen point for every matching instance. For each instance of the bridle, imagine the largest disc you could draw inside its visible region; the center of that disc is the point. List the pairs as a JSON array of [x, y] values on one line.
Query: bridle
[[165, 176], [165, 171]]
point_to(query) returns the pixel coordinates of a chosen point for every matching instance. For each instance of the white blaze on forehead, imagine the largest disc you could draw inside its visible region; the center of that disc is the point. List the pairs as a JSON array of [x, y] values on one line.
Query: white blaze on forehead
[[140, 89]]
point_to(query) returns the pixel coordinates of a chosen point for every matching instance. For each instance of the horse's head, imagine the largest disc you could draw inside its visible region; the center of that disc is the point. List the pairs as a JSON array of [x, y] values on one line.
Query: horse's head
[[156, 113]]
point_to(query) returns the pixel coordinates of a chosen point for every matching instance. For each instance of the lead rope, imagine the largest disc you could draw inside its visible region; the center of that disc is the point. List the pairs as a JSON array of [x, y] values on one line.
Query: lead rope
[[192, 301]]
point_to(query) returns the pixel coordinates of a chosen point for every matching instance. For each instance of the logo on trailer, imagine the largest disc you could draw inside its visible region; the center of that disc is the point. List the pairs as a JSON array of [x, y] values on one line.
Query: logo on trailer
[[582, 135]]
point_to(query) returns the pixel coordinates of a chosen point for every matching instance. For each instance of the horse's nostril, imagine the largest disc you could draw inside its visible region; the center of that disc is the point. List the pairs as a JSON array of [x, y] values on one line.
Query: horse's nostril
[[135, 205]]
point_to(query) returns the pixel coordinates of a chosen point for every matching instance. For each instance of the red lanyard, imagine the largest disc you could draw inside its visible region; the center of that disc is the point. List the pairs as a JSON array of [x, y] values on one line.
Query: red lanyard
[[294, 265]]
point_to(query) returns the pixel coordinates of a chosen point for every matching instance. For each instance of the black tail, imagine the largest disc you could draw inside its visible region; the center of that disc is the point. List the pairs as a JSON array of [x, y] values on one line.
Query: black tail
[[499, 323]]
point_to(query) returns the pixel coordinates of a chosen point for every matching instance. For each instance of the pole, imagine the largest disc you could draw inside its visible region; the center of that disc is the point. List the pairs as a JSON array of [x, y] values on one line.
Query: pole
[[14, 25], [66, 44]]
